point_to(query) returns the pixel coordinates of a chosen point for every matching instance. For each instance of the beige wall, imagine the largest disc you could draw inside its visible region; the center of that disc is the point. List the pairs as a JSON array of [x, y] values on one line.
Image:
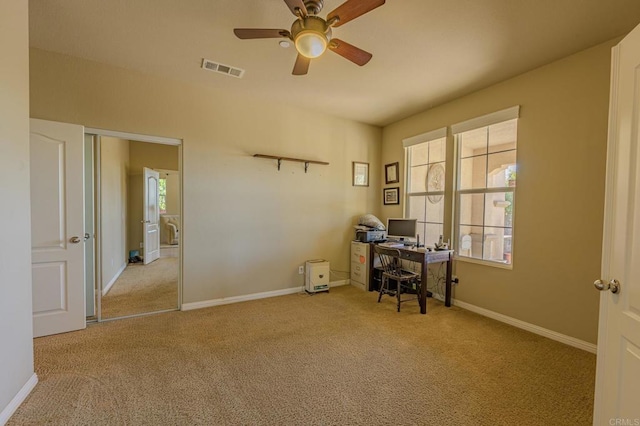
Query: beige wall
[[154, 156], [246, 225], [16, 355], [173, 192], [562, 137], [114, 162]]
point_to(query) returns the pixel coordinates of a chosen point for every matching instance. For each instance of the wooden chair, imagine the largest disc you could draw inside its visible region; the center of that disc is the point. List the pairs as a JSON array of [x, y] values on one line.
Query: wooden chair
[[392, 271]]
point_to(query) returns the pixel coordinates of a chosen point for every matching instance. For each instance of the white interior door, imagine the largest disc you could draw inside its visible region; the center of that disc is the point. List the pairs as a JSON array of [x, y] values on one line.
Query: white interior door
[[618, 369], [151, 216], [57, 227]]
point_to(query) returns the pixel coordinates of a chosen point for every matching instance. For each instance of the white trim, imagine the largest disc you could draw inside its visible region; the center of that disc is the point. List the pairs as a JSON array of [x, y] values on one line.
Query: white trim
[[254, 296], [144, 314], [339, 283], [492, 263], [133, 136], [243, 298], [425, 137], [486, 120], [11, 408], [106, 289], [97, 231], [553, 335]]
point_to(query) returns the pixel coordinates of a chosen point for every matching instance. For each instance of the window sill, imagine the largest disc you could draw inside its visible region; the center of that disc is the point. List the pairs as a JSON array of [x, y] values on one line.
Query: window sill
[[483, 262]]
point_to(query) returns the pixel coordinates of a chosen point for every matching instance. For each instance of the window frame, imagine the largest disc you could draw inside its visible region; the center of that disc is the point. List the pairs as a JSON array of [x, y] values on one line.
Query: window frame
[[415, 141], [474, 124]]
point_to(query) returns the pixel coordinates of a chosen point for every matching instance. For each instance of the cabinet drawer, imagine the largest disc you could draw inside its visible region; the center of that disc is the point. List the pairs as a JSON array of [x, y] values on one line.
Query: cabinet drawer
[[359, 253], [358, 272], [359, 249], [359, 258]]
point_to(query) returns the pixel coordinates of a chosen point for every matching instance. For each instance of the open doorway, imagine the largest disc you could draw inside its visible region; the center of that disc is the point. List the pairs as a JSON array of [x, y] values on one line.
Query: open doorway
[[138, 193]]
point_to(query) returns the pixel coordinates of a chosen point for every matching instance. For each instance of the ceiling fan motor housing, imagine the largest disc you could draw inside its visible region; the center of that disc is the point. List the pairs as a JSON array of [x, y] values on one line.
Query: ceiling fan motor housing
[[313, 6], [311, 23]]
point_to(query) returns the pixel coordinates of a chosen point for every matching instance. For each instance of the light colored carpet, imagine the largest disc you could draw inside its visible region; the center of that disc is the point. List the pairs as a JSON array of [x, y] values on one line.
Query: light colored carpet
[[335, 358], [143, 288]]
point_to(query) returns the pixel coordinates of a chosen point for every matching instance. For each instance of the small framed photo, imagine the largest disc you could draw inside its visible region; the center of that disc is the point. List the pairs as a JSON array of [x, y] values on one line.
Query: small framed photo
[[360, 174], [391, 195], [391, 173]]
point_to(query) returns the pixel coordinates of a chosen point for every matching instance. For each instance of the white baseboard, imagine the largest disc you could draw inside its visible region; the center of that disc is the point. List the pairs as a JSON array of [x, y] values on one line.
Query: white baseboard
[[106, 288], [8, 411], [339, 283], [553, 335], [237, 299], [254, 296]]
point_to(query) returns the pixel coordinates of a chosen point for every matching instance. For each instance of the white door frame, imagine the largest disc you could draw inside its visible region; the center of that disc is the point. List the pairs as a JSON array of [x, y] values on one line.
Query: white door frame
[[138, 138], [89, 227]]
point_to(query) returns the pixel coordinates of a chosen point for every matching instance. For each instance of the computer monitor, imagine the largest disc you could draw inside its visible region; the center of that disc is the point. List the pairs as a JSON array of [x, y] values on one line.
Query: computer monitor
[[401, 229]]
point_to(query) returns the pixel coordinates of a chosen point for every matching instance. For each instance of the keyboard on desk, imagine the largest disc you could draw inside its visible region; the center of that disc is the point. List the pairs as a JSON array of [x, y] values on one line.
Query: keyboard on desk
[[392, 244]]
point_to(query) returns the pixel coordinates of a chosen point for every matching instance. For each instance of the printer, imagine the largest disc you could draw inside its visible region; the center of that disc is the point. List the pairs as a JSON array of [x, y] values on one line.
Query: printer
[[370, 229], [367, 236]]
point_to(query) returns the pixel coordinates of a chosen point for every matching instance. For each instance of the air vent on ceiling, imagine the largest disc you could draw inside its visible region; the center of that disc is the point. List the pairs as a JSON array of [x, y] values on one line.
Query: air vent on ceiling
[[222, 69]]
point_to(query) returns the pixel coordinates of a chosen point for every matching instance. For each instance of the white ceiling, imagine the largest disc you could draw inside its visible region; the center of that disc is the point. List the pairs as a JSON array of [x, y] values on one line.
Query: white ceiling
[[425, 52]]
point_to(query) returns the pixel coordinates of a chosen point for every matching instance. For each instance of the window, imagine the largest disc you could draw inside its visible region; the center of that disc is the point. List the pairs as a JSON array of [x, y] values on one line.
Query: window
[[484, 187], [426, 156], [162, 194], [485, 191]]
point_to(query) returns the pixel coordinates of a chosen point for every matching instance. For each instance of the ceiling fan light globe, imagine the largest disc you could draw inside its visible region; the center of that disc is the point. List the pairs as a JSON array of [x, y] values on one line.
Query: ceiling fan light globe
[[311, 44]]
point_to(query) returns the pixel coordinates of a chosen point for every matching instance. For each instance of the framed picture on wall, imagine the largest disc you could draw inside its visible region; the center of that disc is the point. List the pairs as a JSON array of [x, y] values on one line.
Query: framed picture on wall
[[391, 173], [391, 195], [360, 174]]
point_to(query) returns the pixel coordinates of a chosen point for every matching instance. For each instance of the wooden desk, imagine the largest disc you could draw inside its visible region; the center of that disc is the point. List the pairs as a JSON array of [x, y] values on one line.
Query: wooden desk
[[425, 259]]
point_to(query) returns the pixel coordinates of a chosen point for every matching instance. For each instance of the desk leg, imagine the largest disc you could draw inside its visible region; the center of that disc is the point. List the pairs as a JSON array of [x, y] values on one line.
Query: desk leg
[[447, 294], [423, 287]]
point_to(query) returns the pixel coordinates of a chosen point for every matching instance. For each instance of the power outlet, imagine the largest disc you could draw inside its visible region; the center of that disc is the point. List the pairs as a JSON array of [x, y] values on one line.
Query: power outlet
[[301, 270], [141, 245]]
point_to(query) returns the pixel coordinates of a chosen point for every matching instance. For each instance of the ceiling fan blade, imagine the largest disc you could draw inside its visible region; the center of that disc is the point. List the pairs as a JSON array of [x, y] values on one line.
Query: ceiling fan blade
[[248, 33], [350, 52], [302, 65], [297, 4], [351, 9]]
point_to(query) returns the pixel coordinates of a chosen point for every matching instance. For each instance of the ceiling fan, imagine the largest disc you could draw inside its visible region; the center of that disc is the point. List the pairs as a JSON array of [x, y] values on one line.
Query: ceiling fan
[[311, 34]]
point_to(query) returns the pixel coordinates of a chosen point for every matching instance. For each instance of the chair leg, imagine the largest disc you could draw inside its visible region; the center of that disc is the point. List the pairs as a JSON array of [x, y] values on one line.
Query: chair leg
[[398, 293], [382, 284]]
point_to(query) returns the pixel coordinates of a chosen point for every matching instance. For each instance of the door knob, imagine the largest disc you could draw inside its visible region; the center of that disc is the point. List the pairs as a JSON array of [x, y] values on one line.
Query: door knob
[[75, 240], [613, 285]]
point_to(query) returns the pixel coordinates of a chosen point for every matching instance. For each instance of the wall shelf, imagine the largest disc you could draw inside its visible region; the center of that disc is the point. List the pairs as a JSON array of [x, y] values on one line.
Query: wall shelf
[[298, 160]]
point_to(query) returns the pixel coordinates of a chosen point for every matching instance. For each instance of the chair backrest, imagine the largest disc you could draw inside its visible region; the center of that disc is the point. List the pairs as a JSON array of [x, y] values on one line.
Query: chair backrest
[[389, 260]]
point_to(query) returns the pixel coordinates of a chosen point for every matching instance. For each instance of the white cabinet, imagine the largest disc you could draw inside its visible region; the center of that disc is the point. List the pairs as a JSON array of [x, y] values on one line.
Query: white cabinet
[[360, 265]]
